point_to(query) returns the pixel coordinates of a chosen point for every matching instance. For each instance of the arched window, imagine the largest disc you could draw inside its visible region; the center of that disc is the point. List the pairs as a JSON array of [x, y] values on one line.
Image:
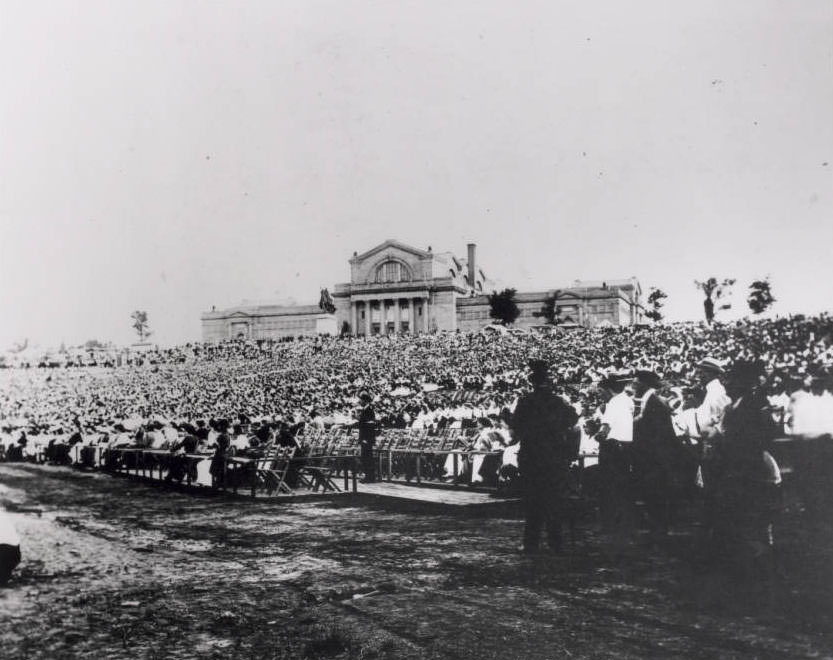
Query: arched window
[[392, 271]]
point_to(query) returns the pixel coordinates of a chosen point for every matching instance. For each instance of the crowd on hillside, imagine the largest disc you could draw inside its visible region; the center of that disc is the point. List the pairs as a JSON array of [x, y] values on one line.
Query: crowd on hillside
[[721, 393], [425, 381]]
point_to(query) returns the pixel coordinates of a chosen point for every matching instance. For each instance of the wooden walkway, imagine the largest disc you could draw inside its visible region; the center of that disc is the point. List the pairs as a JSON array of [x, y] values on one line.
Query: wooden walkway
[[431, 499]]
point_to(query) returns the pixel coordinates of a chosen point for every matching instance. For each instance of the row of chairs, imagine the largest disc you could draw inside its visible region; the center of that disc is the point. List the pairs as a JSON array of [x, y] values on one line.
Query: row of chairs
[[278, 470], [341, 441], [400, 453]]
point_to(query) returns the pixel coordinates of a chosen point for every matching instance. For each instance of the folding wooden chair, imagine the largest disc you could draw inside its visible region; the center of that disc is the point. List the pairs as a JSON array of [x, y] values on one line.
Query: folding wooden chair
[[317, 477], [271, 470]]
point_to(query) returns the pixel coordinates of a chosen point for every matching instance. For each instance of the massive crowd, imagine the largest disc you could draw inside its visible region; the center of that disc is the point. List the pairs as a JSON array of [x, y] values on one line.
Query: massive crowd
[[241, 396], [425, 381]]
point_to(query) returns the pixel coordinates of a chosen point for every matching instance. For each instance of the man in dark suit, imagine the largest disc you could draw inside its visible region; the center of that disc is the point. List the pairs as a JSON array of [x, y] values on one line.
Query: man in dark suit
[[367, 437], [655, 448], [744, 490], [542, 422]]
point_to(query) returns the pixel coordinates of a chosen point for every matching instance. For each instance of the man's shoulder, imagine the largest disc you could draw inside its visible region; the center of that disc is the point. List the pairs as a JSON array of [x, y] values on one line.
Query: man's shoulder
[[657, 405]]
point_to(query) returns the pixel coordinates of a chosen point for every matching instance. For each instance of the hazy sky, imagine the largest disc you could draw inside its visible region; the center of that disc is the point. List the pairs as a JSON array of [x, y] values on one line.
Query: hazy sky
[[174, 155]]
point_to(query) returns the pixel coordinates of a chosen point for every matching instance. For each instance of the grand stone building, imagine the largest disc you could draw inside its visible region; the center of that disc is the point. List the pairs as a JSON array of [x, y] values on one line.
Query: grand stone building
[[397, 288]]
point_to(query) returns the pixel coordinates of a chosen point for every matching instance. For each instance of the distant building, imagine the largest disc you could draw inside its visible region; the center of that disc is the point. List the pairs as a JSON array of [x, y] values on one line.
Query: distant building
[[264, 321], [397, 288]]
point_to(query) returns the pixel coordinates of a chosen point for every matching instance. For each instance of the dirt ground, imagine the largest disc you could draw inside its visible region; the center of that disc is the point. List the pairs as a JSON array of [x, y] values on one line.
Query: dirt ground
[[114, 568]]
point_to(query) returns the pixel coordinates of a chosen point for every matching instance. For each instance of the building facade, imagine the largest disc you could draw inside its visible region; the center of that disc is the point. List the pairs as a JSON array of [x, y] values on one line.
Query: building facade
[[266, 322], [397, 288]]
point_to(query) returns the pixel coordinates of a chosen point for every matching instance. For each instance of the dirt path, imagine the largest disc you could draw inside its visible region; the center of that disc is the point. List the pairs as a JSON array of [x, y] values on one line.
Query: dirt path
[[118, 569]]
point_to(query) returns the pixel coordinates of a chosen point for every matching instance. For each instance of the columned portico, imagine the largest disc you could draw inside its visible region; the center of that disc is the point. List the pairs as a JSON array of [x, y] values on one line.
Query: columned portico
[[390, 311], [399, 288]]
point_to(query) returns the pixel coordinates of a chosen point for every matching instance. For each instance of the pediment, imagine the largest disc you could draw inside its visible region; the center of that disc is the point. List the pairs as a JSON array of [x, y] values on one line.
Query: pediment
[[390, 243], [239, 315]]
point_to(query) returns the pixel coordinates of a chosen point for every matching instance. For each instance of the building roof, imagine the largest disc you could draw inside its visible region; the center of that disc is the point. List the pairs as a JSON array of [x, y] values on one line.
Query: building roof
[[391, 243], [246, 311]]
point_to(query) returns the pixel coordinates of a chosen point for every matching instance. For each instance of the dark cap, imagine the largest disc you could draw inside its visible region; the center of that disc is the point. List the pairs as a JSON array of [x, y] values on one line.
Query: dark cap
[[650, 378], [539, 371], [747, 372]]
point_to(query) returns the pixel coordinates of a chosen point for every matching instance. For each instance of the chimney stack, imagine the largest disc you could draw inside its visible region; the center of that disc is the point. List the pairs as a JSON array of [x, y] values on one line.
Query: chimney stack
[[472, 248]]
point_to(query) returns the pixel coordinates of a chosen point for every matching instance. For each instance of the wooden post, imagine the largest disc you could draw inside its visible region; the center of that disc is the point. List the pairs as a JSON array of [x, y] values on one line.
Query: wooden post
[[355, 486], [419, 468]]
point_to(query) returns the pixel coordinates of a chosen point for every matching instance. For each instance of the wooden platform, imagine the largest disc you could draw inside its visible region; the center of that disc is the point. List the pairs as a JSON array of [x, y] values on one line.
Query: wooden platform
[[431, 499]]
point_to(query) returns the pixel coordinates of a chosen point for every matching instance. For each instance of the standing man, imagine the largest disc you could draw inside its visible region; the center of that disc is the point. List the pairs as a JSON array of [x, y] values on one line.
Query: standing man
[[615, 456], [655, 451], [708, 416], [367, 437], [745, 477], [705, 423], [543, 422]]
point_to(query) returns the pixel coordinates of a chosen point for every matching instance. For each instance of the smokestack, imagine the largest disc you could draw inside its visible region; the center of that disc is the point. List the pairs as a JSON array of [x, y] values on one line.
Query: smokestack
[[472, 248]]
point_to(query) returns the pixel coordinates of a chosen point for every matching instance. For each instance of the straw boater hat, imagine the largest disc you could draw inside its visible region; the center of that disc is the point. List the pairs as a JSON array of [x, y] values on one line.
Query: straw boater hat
[[710, 364], [616, 377]]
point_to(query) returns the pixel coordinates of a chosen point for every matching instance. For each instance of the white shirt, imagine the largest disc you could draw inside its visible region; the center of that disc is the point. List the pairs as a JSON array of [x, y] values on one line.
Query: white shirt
[[811, 415], [708, 416], [8, 534], [618, 415]]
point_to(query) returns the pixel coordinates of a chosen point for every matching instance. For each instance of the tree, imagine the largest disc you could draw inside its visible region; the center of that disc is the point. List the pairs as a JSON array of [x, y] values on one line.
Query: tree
[[760, 296], [713, 292], [140, 325], [549, 310], [503, 307], [655, 303]]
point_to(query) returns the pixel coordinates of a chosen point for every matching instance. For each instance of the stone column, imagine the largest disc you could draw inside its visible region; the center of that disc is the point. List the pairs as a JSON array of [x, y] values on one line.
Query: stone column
[[383, 317], [367, 318], [411, 326], [397, 317], [354, 319], [426, 326]]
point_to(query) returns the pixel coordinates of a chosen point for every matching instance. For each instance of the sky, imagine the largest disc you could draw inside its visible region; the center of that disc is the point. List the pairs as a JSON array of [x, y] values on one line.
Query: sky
[[172, 155]]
